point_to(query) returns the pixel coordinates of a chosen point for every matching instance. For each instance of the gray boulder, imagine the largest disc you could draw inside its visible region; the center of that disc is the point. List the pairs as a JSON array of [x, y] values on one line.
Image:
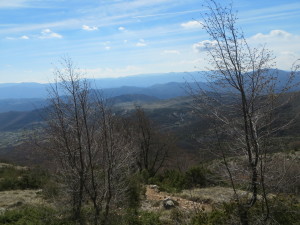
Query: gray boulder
[[169, 203]]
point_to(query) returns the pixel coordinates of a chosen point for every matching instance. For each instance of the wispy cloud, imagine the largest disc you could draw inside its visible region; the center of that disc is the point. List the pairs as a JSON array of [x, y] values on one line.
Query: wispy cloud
[[121, 28], [113, 72], [89, 28], [282, 11], [192, 24], [27, 3], [12, 3], [169, 14], [175, 52], [69, 23], [141, 43], [49, 34], [24, 37]]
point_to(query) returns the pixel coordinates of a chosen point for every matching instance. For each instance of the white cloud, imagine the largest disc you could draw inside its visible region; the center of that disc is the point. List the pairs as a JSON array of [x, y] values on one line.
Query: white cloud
[[192, 24], [121, 28], [48, 34], [284, 45], [204, 45], [273, 34], [171, 52], [11, 3], [24, 37], [107, 48], [141, 43], [89, 28]]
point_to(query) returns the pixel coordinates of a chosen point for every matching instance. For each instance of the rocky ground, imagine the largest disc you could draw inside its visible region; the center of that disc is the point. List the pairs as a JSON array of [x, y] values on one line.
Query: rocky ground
[[156, 200]]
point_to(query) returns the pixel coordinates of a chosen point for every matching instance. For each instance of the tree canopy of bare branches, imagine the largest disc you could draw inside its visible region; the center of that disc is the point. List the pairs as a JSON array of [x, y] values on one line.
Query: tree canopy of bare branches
[[153, 146], [92, 147], [244, 96]]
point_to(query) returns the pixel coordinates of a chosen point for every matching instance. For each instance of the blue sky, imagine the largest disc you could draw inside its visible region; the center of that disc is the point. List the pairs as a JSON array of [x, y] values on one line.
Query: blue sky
[[112, 38]]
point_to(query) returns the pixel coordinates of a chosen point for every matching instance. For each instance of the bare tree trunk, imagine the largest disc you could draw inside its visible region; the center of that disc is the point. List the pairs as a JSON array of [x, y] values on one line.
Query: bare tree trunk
[[242, 73]]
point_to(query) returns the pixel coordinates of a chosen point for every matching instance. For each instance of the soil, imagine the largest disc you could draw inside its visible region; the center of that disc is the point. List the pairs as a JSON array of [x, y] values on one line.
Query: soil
[[154, 198]]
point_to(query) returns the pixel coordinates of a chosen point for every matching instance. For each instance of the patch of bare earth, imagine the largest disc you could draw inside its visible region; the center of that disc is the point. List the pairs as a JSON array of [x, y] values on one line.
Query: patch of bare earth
[[154, 201]]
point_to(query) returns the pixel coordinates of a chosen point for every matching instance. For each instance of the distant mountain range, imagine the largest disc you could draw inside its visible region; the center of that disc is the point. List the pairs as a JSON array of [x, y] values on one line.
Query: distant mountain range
[[30, 96], [128, 93], [37, 90]]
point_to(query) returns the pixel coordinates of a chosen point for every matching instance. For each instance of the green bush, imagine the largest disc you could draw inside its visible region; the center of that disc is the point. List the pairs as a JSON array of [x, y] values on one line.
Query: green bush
[[170, 181], [284, 210], [176, 181], [135, 191], [149, 218], [12, 178], [134, 217], [197, 176], [33, 215], [223, 216]]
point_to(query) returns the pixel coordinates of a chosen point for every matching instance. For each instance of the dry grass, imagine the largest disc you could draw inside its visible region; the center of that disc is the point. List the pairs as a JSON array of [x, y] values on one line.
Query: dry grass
[[6, 165], [16, 198], [211, 195]]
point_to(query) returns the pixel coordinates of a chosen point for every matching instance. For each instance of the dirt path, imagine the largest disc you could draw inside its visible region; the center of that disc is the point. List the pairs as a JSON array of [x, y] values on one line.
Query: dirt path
[[156, 197]]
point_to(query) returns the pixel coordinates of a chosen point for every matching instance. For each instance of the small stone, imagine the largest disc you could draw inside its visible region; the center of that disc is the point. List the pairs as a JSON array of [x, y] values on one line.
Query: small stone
[[169, 203]]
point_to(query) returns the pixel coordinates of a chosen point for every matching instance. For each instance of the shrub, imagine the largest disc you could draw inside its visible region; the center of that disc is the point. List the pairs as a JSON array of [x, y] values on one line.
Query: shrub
[[133, 217], [170, 181], [33, 215], [12, 178], [135, 191], [149, 218], [284, 210], [176, 181], [197, 176]]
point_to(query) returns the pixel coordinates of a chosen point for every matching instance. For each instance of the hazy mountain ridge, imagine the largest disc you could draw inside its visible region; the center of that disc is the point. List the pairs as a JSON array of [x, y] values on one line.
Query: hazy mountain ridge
[[38, 90], [155, 92], [29, 96], [147, 84]]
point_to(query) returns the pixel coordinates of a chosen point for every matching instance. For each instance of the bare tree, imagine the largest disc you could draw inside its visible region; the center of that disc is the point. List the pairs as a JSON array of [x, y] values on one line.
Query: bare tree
[[243, 99], [153, 146], [66, 131], [92, 147]]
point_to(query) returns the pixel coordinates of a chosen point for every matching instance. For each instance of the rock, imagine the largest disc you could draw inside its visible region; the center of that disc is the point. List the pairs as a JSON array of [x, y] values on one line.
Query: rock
[[154, 187], [169, 203]]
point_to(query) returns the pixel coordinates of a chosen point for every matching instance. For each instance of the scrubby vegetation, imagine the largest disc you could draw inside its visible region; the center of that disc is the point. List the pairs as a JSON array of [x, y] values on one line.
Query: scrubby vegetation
[[13, 178], [284, 211], [175, 180], [34, 215]]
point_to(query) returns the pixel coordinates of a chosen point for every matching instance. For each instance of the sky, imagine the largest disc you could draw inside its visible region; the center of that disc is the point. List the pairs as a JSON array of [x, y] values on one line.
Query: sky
[[113, 38]]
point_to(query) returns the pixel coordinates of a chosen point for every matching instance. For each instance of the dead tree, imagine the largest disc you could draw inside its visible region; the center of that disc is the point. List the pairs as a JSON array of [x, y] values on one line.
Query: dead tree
[[92, 147], [66, 131], [153, 145], [243, 97]]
